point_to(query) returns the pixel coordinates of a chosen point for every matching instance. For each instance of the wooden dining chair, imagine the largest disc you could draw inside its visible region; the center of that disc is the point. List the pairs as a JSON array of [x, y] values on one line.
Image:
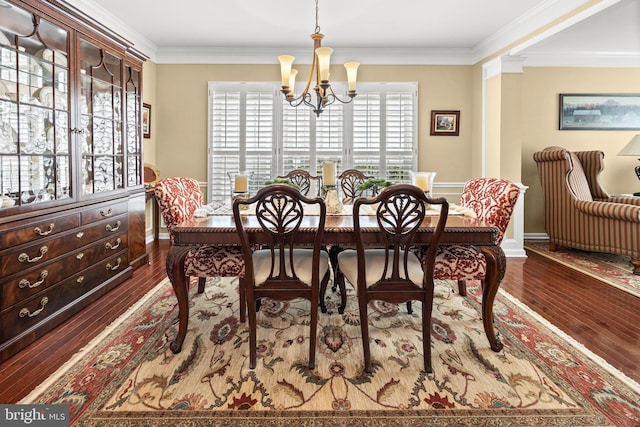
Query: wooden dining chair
[[304, 181], [281, 269], [350, 180], [178, 198], [394, 273]]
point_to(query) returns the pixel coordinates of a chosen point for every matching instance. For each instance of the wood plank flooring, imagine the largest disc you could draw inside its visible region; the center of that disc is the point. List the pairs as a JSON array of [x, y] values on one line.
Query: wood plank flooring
[[603, 318]]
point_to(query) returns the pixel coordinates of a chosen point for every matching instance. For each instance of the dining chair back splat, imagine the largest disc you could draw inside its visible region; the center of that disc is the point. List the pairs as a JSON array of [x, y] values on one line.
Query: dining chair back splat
[[304, 181], [492, 200], [282, 269], [394, 273], [178, 198], [350, 180]]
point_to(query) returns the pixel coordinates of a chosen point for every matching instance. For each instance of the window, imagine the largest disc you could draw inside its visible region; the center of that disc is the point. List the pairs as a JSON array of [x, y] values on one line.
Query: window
[[253, 129]]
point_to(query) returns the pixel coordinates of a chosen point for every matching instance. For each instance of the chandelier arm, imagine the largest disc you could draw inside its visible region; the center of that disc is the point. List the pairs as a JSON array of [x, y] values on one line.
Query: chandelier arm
[[332, 95]]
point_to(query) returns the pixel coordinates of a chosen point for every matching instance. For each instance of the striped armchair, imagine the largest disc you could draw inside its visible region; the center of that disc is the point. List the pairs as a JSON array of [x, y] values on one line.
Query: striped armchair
[[579, 213]]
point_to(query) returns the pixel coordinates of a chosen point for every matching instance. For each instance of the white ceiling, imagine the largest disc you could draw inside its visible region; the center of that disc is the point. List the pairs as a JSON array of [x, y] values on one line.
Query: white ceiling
[[452, 31]]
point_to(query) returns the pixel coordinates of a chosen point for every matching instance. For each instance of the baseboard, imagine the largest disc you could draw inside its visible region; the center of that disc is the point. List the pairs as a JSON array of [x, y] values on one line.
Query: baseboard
[[536, 236]]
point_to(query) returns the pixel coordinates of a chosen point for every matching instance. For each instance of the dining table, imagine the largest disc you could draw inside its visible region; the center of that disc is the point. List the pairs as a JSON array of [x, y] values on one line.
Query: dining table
[[220, 230]]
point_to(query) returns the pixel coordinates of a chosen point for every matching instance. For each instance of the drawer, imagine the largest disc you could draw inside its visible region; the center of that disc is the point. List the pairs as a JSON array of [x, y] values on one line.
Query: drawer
[[26, 283], [35, 230], [104, 211], [102, 229], [37, 309]]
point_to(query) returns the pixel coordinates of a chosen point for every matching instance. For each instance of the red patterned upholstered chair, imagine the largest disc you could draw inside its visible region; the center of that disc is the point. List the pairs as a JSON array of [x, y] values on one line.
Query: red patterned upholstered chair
[[492, 200], [178, 198], [579, 213]]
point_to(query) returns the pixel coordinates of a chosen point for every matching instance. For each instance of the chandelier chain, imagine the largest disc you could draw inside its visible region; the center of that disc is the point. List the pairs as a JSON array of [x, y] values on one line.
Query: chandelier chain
[[317, 14]]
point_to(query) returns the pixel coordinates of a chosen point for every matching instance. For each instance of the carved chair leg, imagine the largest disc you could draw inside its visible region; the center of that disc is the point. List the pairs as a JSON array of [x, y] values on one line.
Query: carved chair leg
[[333, 258], [553, 246], [636, 266], [462, 287], [243, 299], [201, 282]]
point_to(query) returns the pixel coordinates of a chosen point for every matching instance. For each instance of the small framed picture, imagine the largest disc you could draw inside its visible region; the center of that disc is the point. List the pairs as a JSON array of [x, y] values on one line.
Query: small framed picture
[[146, 120], [445, 122]]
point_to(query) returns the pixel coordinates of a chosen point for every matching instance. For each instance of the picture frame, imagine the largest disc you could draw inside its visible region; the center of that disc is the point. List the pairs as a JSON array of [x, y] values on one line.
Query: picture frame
[[146, 120], [445, 122], [599, 111]]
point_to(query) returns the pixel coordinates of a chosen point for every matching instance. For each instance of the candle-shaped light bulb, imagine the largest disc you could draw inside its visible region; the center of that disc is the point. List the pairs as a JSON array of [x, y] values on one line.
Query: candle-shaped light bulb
[[286, 61], [324, 61], [352, 74]]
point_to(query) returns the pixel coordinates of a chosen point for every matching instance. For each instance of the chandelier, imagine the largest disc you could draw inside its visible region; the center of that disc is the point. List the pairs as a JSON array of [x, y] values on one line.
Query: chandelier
[[324, 94]]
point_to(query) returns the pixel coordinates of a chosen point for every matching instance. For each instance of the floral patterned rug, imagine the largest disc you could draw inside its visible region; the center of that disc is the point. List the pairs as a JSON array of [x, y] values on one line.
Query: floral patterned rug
[[615, 270], [129, 377]]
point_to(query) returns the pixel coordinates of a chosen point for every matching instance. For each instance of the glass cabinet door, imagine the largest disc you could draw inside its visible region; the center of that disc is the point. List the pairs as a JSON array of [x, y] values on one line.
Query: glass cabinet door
[[134, 128], [101, 120], [35, 145]]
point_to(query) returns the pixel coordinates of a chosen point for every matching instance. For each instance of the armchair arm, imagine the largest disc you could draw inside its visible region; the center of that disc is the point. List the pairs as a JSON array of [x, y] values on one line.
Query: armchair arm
[[624, 199], [618, 211]]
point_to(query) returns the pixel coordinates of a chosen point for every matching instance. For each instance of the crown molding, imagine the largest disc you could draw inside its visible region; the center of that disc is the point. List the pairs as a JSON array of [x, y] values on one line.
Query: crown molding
[[369, 56]]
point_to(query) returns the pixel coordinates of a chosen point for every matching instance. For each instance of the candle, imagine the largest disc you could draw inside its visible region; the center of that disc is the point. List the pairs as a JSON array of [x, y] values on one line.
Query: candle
[[329, 173], [422, 181], [240, 184]]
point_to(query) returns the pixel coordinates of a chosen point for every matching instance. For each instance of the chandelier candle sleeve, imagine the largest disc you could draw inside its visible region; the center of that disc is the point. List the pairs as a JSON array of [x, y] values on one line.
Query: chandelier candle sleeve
[[329, 173]]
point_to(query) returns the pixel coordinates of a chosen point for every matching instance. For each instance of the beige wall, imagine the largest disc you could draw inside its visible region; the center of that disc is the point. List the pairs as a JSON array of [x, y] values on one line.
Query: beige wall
[[540, 101]]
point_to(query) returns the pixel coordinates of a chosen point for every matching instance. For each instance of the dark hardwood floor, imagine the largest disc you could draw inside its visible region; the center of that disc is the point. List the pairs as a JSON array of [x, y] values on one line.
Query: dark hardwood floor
[[603, 318]]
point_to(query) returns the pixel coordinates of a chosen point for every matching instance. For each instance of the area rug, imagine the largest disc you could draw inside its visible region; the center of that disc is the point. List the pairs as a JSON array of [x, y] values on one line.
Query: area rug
[[129, 377], [616, 270]]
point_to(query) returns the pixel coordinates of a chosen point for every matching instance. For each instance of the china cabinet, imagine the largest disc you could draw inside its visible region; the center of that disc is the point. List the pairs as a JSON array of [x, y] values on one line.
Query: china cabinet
[[71, 167]]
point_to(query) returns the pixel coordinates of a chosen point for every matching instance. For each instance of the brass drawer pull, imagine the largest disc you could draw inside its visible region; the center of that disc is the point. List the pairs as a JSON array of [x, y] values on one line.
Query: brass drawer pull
[[24, 283], [24, 257], [107, 213], [39, 231], [108, 245], [114, 267], [80, 256], [80, 234], [109, 227], [25, 311], [80, 279]]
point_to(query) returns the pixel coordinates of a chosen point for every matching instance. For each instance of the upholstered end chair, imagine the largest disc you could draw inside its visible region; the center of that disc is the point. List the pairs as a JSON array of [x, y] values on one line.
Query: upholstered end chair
[[492, 200], [178, 198], [579, 213]]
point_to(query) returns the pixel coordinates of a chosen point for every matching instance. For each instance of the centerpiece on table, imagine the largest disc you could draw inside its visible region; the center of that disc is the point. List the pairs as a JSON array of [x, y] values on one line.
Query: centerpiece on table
[[286, 181], [375, 184]]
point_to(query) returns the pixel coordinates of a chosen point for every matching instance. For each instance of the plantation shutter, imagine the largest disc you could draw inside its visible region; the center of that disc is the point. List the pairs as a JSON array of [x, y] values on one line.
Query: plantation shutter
[[252, 128]]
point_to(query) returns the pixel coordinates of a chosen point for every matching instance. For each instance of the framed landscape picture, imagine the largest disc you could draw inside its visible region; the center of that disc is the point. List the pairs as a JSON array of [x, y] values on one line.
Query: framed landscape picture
[[599, 111], [445, 122]]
